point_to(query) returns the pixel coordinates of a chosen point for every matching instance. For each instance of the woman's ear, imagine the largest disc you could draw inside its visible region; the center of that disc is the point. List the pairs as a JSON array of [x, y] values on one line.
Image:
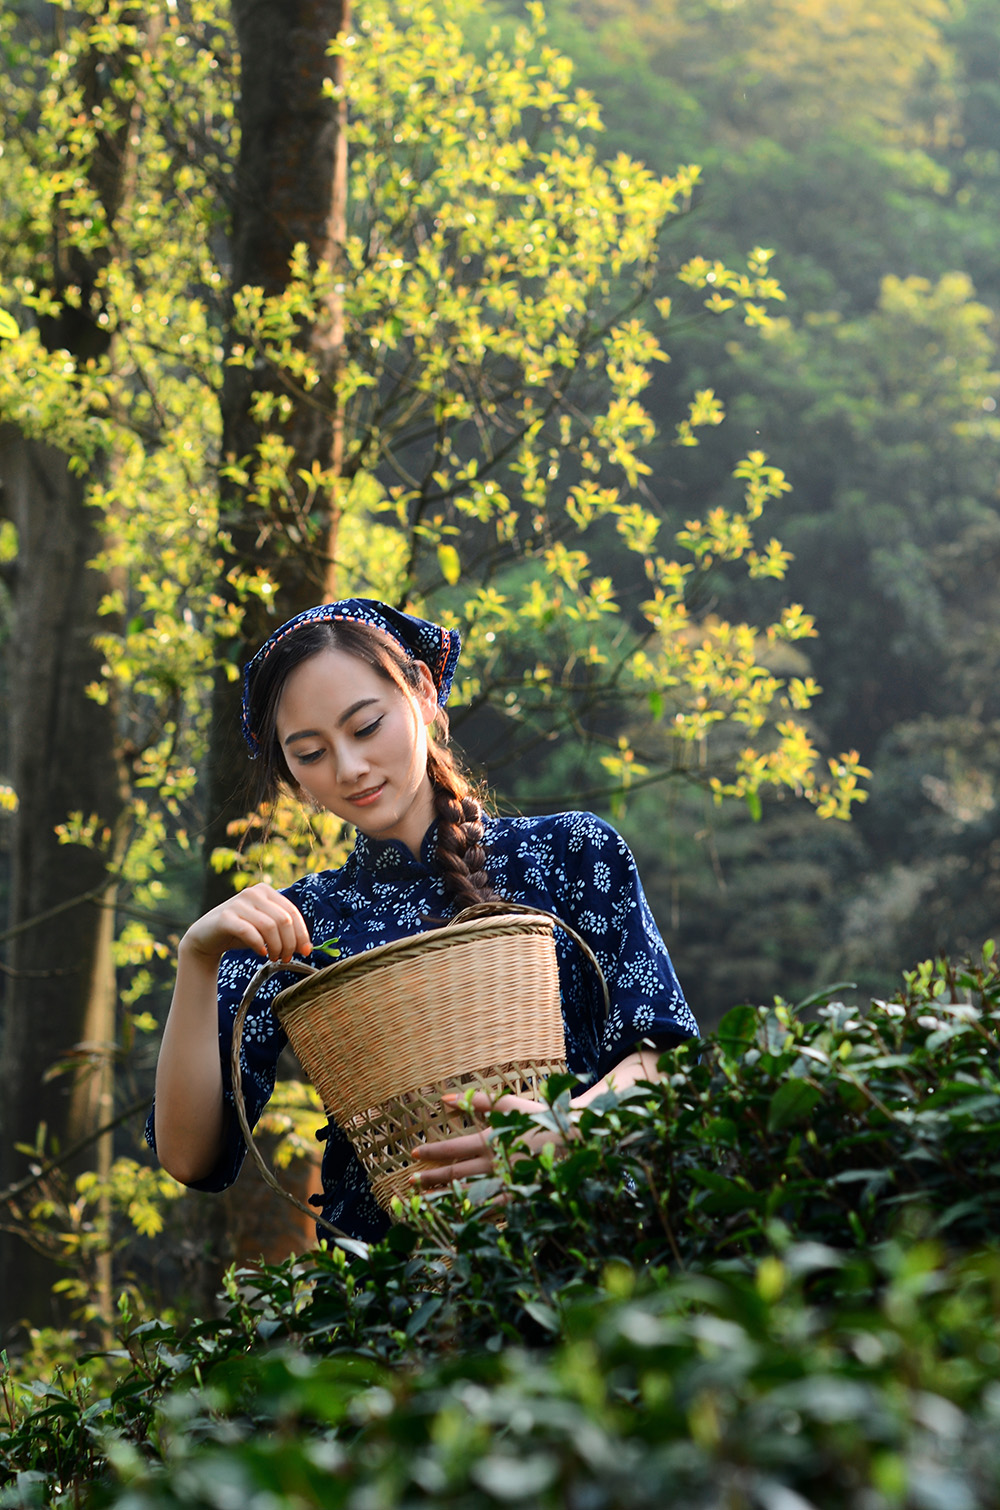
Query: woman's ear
[[426, 694]]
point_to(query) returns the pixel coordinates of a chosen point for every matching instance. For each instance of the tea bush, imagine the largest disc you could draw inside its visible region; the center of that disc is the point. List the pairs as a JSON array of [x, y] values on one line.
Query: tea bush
[[770, 1280]]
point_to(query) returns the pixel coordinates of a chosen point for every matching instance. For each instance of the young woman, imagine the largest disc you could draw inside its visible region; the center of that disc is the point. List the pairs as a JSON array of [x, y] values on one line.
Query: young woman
[[339, 706]]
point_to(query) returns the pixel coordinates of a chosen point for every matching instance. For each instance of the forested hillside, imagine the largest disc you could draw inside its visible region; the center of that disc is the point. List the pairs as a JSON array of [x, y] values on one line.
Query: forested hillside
[[862, 143], [654, 347]]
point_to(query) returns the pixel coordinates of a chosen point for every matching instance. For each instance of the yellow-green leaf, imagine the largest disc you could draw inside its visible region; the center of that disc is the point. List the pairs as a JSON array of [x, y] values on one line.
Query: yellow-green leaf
[[448, 561]]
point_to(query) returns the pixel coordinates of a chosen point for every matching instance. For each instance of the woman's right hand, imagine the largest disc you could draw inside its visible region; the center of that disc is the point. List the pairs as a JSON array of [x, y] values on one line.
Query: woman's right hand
[[258, 918], [190, 1113]]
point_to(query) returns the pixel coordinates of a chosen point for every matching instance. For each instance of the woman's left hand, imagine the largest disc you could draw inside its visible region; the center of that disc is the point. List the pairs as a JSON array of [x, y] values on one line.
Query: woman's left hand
[[470, 1154]]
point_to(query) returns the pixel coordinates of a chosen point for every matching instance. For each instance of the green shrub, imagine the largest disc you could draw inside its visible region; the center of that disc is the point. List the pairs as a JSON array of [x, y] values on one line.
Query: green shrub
[[767, 1281], [842, 1131], [728, 1389]]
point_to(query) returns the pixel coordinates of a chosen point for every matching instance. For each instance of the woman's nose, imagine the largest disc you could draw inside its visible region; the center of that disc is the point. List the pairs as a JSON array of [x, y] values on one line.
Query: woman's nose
[[352, 762]]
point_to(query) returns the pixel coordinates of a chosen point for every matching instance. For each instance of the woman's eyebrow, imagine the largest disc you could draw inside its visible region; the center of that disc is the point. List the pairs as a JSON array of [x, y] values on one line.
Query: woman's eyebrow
[[363, 702]]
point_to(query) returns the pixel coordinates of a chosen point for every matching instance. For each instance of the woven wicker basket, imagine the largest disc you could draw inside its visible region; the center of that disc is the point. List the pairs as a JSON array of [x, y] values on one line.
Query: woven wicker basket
[[384, 1034]]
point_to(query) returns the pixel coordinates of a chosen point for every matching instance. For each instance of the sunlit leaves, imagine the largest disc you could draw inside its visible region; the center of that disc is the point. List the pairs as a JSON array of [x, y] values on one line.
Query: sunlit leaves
[[142, 1193], [856, 53], [482, 276], [450, 564], [280, 844], [623, 768], [291, 1118], [704, 409], [488, 361], [727, 288], [139, 275]]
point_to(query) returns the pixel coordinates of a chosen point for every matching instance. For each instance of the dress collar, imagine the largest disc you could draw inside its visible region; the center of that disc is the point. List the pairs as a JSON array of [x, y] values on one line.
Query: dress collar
[[386, 858]]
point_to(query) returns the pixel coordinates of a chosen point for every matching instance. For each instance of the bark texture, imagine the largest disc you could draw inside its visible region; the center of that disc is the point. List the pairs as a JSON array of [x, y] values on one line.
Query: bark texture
[[58, 1000], [291, 188], [59, 997]]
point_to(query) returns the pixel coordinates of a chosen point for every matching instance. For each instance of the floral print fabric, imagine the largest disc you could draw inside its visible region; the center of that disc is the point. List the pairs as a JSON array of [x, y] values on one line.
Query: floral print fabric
[[572, 864]]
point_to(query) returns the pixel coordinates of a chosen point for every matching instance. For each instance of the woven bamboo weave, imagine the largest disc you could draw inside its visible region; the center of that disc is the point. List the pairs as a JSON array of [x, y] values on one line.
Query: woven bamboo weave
[[384, 1034]]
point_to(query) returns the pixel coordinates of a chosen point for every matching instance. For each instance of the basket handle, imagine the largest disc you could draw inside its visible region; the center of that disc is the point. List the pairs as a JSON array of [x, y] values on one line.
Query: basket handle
[[263, 974], [489, 909]]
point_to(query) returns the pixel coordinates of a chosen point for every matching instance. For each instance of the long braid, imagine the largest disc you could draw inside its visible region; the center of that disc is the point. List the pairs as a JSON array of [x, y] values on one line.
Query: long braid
[[460, 852]]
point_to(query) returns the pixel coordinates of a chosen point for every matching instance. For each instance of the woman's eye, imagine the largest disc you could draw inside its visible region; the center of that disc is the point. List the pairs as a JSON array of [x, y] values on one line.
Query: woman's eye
[[368, 729], [309, 757]]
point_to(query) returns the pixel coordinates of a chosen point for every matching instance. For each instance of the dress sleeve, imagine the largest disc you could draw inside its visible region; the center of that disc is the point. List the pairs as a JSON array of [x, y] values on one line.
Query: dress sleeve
[[600, 893], [263, 1041]]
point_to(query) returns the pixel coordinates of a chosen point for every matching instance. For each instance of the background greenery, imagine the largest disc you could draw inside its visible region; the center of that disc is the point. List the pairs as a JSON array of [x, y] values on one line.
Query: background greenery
[[770, 1279], [491, 345], [861, 143]]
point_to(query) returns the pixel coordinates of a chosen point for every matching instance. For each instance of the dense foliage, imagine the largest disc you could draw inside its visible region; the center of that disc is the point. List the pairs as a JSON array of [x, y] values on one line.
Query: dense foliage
[[475, 343], [495, 292], [771, 1281], [772, 1275], [859, 141]]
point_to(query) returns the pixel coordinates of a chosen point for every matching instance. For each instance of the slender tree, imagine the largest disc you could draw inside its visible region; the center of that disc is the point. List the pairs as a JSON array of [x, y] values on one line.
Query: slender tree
[[290, 192], [99, 402], [59, 987]]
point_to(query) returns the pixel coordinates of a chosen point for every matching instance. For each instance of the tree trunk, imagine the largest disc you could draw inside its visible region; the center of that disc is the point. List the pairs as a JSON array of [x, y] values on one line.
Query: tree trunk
[[59, 990], [291, 189], [60, 996]]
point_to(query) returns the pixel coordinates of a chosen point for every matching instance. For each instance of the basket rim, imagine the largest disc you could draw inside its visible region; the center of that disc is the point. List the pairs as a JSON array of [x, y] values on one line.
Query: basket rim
[[428, 941]]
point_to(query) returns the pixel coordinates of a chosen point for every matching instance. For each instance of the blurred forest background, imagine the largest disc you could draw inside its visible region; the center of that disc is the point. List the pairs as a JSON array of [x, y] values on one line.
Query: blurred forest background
[[409, 318], [861, 142]]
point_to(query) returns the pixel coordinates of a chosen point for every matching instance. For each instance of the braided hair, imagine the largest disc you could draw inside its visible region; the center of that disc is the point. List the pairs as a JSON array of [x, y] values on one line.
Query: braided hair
[[460, 854]]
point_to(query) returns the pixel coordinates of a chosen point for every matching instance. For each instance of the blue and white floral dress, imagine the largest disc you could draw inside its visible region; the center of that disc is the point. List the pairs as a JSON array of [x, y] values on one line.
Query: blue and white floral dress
[[572, 864]]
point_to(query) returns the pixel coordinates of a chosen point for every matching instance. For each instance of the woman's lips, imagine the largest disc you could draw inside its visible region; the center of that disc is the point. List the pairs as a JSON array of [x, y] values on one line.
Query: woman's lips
[[362, 799]]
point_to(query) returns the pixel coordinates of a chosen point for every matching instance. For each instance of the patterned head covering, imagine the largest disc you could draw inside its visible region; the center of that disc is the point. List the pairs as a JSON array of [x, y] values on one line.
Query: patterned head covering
[[423, 641]]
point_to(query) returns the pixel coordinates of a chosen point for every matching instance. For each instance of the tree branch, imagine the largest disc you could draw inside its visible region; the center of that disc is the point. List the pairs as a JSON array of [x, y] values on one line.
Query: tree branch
[[13, 1191]]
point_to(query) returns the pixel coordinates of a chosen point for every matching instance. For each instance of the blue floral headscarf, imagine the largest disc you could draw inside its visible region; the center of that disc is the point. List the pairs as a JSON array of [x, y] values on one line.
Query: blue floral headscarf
[[423, 641]]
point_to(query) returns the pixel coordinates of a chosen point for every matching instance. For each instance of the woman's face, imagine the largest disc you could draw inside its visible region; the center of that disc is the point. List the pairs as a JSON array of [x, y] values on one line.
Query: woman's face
[[357, 745]]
